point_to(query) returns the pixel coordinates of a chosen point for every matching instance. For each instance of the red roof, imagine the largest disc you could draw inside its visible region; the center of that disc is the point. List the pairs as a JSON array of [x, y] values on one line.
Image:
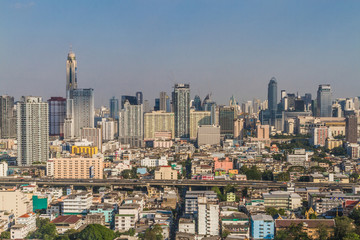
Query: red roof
[[71, 219], [26, 215]]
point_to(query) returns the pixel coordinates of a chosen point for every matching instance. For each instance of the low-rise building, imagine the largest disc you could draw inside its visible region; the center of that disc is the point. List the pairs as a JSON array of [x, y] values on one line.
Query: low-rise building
[[282, 200], [166, 173], [64, 223], [262, 227], [78, 203]]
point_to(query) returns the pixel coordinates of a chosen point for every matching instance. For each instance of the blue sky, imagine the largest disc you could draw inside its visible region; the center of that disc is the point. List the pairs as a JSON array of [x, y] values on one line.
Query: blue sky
[[223, 47]]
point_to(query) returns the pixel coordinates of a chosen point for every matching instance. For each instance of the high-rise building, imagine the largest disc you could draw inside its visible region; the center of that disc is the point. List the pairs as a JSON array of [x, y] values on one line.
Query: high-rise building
[[71, 75], [139, 98], [114, 108], [198, 118], [32, 130], [226, 120], [132, 100], [164, 99], [324, 101], [197, 103], [157, 104], [181, 107], [272, 99], [131, 124], [7, 117], [93, 135], [158, 121], [351, 128], [57, 115], [82, 109]]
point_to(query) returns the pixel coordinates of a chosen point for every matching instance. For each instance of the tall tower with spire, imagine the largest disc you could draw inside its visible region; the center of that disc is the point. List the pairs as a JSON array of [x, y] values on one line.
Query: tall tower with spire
[[71, 69]]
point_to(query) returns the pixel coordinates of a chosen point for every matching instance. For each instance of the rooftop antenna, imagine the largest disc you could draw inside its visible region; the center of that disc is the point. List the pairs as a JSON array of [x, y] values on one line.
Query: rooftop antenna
[[70, 47]]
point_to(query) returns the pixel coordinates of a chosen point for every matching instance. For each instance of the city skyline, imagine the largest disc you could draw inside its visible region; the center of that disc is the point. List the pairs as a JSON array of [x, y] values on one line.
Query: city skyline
[[150, 47]]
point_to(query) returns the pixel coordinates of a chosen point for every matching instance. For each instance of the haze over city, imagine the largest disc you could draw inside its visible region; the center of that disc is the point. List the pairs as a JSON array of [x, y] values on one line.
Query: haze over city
[[220, 47]]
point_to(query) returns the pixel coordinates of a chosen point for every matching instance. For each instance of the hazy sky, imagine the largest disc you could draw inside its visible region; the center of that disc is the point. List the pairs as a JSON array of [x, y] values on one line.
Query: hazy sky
[[224, 47]]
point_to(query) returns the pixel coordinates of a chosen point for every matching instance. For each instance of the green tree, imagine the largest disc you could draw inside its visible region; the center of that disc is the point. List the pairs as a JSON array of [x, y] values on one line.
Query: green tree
[[355, 215], [154, 233], [322, 232], [267, 175], [351, 236], [5, 235], [294, 232], [283, 176], [225, 233], [338, 151], [96, 232], [344, 226]]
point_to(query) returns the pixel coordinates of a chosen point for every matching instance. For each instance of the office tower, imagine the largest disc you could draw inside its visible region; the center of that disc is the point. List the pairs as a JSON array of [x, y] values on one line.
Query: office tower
[[324, 101], [82, 109], [164, 100], [131, 127], [283, 94], [208, 217], [307, 98], [197, 103], [57, 115], [71, 75], [132, 100], [299, 105], [93, 135], [272, 100], [226, 120], [158, 121], [32, 130], [291, 101], [114, 108], [7, 117], [198, 118], [351, 128], [139, 98], [181, 107], [157, 104]]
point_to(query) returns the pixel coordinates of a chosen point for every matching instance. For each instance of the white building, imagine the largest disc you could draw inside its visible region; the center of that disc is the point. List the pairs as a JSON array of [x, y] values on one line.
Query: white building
[[208, 217], [191, 200], [28, 219], [299, 158], [187, 225], [127, 217], [3, 169], [108, 128], [131, 124], [15, 201], [77, 203], [151, 162], [80, 108], [93, 135], [282, 199], [32, 130]]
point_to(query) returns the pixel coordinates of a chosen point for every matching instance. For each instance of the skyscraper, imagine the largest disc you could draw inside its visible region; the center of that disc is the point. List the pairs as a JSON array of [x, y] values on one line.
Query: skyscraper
[[181, 106], [7, 117], [32, 130], [71, 75], [163, 101], [197, 103], [351, 128], [131, 124], [132, 100], [114, 108], [82, 108], [57, 115], [272, 99], [139, 98], [324, 101], [226, 120]]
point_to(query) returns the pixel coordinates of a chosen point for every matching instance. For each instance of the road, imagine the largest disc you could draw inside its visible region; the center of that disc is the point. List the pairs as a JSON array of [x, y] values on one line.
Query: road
[[179, 183]]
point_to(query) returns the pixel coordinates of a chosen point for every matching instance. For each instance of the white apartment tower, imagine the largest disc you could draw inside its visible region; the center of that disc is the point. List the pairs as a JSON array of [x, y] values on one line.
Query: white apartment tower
[[208, 217], [131, 124], [32, 130]]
